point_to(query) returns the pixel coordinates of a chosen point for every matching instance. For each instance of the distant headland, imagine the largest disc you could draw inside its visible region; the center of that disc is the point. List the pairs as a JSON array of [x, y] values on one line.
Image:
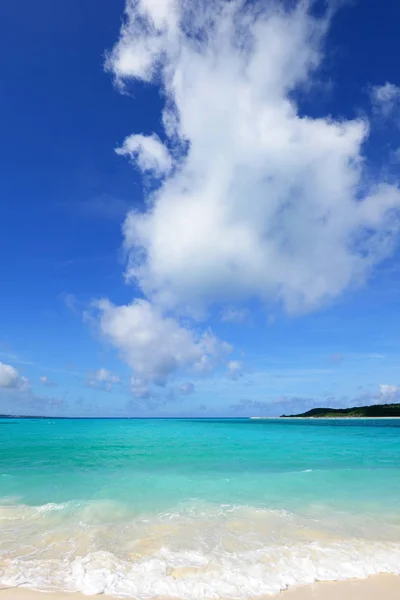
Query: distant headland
[[375, 411]]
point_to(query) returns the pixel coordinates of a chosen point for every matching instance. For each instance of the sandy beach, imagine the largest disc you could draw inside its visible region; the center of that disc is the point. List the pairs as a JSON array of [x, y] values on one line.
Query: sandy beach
[[382, 587], [194, 510], [199, 324]]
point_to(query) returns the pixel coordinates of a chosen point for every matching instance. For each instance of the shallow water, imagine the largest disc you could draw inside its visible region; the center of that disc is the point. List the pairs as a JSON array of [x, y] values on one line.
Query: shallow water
[[197, 508]]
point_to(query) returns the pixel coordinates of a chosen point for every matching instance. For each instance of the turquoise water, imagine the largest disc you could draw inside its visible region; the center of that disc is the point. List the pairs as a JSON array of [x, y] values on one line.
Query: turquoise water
[[197, 508]]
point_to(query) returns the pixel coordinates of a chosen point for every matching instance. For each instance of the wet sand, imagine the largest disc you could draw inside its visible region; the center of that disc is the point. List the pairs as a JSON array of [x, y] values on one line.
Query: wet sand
[[379, 587]]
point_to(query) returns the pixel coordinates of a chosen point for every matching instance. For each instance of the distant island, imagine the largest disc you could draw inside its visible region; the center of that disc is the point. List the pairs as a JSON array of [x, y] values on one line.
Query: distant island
[[375, 411]]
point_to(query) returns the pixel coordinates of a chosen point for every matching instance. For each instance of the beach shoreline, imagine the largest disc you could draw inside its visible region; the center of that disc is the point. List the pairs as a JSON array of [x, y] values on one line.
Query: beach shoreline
[[197, 510], [384, 587], [324, 418]]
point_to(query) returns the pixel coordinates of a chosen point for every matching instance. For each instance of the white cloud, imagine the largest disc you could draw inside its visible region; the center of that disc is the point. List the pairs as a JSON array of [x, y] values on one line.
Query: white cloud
[[148, 152], [11, 379], [388, 390], [106, 376], [386, 99], [142, 38], [8, 376], [386, 394], [157, 346], [235, 369], [140, 388], [256, 201], [262, 202], [102, 380]]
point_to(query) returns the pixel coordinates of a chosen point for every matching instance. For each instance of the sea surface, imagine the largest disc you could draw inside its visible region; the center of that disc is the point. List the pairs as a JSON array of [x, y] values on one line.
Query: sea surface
[[218, 508]]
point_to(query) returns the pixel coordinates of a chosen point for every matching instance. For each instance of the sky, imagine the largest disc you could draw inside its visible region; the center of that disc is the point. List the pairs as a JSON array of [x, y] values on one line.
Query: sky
[[199, 207]]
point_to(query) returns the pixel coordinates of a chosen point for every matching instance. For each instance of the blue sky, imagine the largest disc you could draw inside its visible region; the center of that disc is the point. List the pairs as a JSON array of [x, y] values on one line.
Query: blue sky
[[239, 253]]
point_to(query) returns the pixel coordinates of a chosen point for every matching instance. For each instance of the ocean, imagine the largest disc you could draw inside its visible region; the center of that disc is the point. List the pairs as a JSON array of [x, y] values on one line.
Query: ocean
[[211, 508]]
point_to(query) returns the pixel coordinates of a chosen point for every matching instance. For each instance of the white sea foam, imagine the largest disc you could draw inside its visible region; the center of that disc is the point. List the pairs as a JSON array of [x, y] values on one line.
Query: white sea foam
[[198, 551], [199, 576]]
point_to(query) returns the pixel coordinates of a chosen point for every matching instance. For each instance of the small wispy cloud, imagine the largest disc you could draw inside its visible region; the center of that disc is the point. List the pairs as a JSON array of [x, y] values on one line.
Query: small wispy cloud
[[186, 388], [382, 394], [14, 358], [148, 152], [46, 381], [386, 100], [70, 301], [102, 380], [387, 391], [235, 369], [234, 315], [19, 401], [17, 397]]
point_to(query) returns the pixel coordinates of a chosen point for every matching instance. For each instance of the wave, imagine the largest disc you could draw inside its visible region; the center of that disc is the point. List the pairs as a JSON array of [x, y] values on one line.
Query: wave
[[198, 550], [199, 576]]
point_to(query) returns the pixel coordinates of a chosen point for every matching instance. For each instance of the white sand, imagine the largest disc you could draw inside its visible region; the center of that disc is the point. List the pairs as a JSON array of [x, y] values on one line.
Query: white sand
[[379, 587]]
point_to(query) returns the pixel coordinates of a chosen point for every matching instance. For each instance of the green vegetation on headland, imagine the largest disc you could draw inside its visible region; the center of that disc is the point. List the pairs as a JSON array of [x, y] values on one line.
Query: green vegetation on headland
[[375, 411]]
